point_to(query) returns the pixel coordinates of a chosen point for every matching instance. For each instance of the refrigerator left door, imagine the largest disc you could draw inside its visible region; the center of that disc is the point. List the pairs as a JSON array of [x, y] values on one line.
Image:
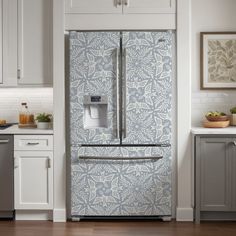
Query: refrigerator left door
[[94, 87]]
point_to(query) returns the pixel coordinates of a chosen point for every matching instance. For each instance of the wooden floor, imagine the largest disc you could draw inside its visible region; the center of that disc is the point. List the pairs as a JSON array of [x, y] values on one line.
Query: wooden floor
[[151, 228]]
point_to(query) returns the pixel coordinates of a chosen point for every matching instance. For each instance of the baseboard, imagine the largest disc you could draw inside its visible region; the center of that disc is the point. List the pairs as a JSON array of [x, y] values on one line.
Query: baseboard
[[33, 215], [59, 215], [184, 214]]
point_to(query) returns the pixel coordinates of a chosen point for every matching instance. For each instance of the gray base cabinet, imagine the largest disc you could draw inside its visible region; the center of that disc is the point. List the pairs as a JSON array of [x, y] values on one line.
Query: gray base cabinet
[[215, 177]]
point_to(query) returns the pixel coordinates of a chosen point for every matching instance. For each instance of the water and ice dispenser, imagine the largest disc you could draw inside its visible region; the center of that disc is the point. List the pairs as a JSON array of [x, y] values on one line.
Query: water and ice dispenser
[[95, 111]]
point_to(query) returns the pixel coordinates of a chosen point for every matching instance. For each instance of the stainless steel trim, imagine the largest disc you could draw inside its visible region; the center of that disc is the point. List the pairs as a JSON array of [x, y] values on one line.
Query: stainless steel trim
[[117, 95], [2, 141], [32, 144], [120, 158], [124, 89]]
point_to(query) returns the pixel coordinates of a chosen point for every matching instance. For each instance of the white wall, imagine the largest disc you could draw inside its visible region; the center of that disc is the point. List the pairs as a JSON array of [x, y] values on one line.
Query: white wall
[[38, 100], [209, 15]]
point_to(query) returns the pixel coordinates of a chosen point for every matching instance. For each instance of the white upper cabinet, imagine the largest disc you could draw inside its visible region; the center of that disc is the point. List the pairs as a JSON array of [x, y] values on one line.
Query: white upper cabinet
[[93, 6], [120, 6], [148, 6], [8, 43], [34, 42], [120, 14]]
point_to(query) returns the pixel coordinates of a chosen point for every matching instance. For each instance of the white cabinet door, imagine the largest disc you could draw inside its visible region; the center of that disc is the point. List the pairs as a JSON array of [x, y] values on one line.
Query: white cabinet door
[[33, 180], [8, 40], [149, 6], [35, 42], [93, 6]]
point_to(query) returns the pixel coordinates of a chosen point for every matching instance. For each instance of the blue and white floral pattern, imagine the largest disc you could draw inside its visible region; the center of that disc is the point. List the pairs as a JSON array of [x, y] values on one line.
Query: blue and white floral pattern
[[148, 75], [121, 187], [93, 72], [148, 70]]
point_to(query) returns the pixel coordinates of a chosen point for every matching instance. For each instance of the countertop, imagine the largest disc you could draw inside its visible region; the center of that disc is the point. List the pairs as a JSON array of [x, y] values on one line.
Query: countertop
[[202, 130], [15, 130]]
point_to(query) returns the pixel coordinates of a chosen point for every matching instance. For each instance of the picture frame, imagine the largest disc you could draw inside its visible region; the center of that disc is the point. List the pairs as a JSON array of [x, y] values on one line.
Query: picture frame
[[218, 60]]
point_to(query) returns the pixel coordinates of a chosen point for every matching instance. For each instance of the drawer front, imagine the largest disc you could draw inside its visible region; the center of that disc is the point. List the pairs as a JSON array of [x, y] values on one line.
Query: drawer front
[[120, 187], [33, 142]]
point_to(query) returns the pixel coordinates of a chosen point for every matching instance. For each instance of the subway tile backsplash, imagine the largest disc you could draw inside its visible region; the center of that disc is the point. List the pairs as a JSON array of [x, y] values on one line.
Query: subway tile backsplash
[[202, 102], [38, 100]]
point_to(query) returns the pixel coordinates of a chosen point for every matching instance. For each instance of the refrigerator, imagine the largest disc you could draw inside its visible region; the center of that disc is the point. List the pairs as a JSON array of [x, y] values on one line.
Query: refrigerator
[[120, 96]]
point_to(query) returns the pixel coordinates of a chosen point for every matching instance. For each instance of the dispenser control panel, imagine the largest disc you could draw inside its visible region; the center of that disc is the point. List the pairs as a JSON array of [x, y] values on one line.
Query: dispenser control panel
[[95, 99]]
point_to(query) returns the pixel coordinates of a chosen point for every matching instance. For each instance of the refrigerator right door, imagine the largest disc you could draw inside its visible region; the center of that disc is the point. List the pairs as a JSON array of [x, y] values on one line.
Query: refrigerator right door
[[147, 90]]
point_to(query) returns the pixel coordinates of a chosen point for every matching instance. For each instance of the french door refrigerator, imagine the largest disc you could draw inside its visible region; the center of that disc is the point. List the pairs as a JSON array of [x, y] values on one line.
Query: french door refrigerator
[[120, 123]]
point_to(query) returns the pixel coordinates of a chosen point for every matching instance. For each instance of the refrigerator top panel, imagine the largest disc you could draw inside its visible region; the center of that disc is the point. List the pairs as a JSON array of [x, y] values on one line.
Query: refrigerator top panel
[[147, 87], [93, 87]]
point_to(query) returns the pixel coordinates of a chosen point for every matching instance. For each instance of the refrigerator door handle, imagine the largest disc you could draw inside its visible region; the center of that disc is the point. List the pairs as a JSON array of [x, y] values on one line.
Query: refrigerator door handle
[[154, 158], [124, 89], [117, 95]]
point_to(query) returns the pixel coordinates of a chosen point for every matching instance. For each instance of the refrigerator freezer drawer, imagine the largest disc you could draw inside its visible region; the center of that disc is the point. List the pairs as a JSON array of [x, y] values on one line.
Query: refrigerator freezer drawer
[[125, 186]]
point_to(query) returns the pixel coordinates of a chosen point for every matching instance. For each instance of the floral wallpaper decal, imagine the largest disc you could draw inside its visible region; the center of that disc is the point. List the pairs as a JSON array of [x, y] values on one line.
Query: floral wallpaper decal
[[148, 87], [120, 187]]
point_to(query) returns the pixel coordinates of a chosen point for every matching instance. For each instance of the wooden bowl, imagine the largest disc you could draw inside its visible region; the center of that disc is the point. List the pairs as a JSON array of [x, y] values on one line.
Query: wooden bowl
[[217, 118]]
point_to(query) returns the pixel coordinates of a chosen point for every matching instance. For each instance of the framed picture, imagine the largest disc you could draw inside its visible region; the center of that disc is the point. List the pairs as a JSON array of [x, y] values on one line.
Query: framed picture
[[218, 60]]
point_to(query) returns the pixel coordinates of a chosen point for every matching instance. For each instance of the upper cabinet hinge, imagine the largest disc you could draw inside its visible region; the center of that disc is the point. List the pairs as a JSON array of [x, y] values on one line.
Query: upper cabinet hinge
[[18, 74]]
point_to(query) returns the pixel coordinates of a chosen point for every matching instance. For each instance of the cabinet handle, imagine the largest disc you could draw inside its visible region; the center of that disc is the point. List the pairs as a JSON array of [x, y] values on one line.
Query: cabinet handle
[[126, 2], [32, 143], [15, 163], [49, 163], [234, 143], [18, 74], [2, 141], [117, 3]]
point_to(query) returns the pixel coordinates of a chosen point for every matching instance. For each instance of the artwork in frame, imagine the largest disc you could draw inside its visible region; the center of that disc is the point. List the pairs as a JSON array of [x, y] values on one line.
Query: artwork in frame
[[218, 60]]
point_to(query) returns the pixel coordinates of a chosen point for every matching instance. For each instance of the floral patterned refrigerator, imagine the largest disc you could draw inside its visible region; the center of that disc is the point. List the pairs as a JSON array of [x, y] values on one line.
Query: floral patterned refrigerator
[[120, 123]]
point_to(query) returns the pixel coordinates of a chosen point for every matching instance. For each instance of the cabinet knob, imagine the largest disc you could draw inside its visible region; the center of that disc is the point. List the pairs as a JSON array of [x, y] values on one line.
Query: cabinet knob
[[234, 143], [125, 2], [118, 3]]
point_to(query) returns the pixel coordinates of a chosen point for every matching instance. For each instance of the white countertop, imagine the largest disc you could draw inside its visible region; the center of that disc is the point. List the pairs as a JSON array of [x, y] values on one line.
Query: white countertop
[[202, 130], [15, 130]]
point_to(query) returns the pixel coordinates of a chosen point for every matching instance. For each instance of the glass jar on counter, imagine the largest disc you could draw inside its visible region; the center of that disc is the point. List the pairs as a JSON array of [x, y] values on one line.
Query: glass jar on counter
[[25, 117]]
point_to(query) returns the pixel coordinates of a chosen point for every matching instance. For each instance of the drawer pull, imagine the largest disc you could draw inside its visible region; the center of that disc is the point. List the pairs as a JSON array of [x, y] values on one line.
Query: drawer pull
[[234, 143], [32, 144], [155, 158], [2, 141]]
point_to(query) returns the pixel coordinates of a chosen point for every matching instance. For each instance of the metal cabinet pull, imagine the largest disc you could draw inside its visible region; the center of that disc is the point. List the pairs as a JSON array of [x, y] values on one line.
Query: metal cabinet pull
[[49, 163], [2, 141], [117, 95], [32, 144], [234, 143], [126, 2], [117, 3], [124, 89], [15, 163], [120, 158]]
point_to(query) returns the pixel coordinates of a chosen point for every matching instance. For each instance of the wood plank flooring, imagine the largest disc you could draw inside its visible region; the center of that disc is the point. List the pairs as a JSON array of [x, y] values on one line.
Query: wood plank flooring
[[151, 228]]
